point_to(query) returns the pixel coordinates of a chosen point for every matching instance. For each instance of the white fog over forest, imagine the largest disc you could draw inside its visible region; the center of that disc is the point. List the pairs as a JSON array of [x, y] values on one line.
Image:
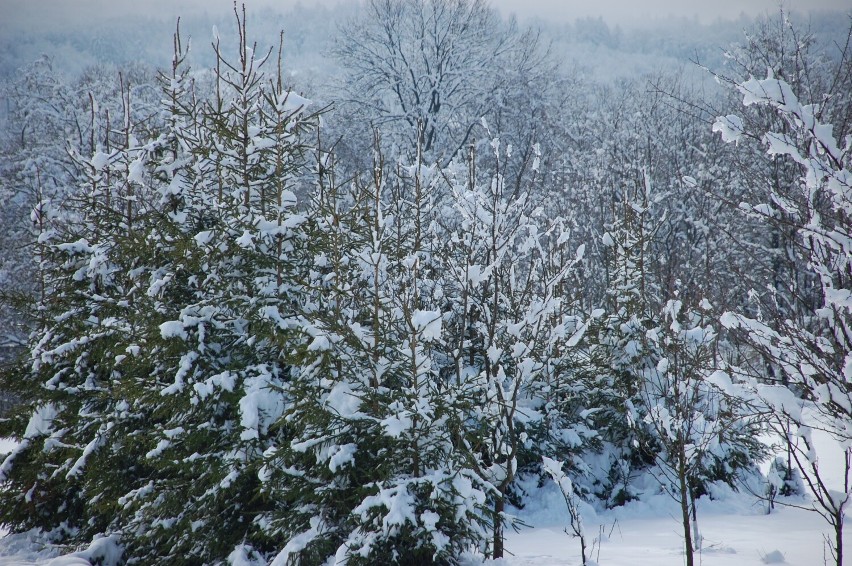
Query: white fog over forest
[[412, 282]]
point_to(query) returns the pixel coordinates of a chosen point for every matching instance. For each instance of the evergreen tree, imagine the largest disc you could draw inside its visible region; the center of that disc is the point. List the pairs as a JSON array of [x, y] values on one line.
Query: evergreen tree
[[659, 359], [371, 473], [166, 326]]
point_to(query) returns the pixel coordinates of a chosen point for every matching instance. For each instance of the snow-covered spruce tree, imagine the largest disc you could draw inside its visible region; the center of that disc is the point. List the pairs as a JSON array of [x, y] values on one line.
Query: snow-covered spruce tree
[[44, 112], [84, 326], [225, 343], [367, 472], [688, 430], [512, 326], [810, 347], [169, 306], [36, 102], [701, 434], [618, 345]]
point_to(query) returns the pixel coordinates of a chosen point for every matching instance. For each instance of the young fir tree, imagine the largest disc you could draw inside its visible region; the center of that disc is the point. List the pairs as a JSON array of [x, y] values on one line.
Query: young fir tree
[[85, 326], [371, 474], [619, 345], [225, 345], [166, 326]]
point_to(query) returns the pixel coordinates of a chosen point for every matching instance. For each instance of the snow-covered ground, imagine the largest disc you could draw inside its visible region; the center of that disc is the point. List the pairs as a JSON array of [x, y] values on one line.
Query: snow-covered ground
[[735, 528], [648, 534], [636, 539]]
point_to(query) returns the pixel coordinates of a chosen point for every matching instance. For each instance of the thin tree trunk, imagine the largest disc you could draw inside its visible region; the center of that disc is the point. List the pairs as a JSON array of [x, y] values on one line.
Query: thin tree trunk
[[696, 534], [499, 505], [838, 537], [684, 505]]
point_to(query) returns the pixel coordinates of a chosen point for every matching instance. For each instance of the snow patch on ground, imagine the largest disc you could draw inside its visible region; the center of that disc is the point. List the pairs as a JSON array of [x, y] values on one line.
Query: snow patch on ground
[[787, 536], [26, 549]]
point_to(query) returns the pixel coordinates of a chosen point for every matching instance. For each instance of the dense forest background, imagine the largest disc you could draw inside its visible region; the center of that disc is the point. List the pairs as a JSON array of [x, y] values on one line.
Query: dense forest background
[[338, 292]]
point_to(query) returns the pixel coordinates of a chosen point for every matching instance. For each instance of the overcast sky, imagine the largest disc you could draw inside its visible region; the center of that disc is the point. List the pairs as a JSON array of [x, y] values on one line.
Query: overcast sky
[[624, 12], [627, 11]]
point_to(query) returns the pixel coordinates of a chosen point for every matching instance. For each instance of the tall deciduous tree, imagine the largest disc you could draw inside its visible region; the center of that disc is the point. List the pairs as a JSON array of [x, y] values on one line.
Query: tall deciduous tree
[[426, 71], [810, 346], [513, 326]]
